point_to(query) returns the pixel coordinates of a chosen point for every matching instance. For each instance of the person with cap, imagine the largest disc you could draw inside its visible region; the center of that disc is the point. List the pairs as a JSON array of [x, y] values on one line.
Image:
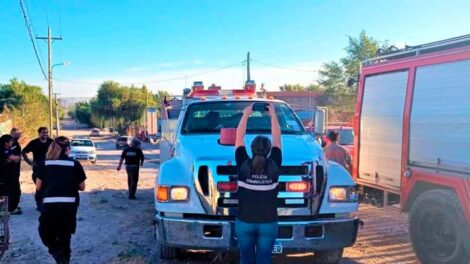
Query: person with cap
[[59, 180], [38, 147], [15, 188], [256, 224], [134, 159]]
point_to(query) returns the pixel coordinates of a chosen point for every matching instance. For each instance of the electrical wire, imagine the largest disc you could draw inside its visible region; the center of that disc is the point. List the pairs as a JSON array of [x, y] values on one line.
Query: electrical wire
[[282, 67], [158, 81], [29, 28], [60, 17], [46, 12]]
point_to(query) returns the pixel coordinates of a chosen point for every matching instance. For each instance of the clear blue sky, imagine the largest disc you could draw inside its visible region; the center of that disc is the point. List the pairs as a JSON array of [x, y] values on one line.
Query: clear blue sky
[[141, 41]]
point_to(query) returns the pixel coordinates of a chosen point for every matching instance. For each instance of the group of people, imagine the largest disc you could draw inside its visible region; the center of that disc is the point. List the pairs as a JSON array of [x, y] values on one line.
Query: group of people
[[58, 180], [10, 164]]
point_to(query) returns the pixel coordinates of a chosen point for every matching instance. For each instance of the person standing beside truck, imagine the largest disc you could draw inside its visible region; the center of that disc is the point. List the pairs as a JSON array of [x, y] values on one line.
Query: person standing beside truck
[[337, 153], [58, 180], [134, 158], [256, 224], [38, 147]]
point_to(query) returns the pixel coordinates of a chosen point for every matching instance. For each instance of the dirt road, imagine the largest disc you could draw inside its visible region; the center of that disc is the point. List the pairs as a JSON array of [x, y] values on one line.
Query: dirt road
[[113, 229]]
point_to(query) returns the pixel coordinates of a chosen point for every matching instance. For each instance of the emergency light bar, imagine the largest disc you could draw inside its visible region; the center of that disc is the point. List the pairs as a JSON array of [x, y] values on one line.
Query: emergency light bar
[[198, 90]]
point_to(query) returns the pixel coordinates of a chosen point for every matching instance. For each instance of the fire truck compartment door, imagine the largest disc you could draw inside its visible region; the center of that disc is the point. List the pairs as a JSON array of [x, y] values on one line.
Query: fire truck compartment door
[[440, 117], [381, 128]]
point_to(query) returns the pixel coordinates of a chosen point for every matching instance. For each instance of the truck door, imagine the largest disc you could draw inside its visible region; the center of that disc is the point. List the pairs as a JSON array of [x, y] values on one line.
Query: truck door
[[381, 128], [168, 125]]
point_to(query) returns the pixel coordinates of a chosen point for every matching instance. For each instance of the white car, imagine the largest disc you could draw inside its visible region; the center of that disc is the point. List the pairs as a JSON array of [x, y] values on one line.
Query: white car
[[83, 149]]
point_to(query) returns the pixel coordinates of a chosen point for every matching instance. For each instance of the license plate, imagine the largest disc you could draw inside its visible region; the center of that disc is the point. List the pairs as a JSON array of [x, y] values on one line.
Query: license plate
[[277, 249]]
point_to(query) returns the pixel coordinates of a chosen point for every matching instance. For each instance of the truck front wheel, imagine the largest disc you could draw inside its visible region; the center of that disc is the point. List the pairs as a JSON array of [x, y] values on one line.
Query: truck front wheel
[[165, 252], [438, 228], [332, 256]]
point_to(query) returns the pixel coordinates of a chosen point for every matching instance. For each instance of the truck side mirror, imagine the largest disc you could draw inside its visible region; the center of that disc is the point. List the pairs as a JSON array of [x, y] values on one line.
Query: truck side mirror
[[321, 119]]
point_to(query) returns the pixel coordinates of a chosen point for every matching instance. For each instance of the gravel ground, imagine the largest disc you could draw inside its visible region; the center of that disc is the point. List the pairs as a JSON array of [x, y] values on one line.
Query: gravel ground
[[113, 229]]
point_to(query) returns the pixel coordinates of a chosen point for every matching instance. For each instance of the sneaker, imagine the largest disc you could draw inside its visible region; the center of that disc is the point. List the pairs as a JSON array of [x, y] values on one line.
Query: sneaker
[[17, 211]]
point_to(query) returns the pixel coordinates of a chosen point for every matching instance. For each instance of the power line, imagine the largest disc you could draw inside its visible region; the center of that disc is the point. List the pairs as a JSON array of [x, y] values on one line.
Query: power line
[[282, 67], [60, 17], [46, 12], [30, 33], [161, 80]]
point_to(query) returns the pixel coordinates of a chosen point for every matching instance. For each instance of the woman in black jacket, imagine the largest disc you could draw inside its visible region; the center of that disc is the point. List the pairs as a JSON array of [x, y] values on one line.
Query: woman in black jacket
[[59, 180], [256, 225]]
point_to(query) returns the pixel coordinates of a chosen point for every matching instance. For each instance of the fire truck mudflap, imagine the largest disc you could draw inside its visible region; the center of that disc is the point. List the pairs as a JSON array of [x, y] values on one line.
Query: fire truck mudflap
[[196, 186]]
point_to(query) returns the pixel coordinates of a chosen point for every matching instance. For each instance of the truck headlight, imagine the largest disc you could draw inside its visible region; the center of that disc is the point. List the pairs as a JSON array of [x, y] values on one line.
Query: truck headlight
[[342, 194], [179, 193], [171, 193]]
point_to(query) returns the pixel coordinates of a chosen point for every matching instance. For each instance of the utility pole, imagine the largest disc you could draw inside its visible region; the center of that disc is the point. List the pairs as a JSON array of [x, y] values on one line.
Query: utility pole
[[248, 76], [146, 107], [49, 39], [57, 123]]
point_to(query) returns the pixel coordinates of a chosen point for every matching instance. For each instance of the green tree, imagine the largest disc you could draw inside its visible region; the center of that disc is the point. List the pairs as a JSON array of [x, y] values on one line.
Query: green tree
[[82, 112], [120, 106], [334, 75], [27, 106]]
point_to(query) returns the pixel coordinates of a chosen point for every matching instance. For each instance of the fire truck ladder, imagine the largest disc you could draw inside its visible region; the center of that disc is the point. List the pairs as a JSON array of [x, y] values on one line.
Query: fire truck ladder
[[411, 51]]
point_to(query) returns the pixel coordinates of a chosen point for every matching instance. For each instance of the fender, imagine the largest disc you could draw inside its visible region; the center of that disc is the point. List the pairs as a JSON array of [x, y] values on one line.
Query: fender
[[174, 172], [337, 176]]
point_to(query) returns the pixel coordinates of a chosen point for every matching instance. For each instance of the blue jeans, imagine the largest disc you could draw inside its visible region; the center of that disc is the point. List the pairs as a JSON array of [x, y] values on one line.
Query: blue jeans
[[255, 241]]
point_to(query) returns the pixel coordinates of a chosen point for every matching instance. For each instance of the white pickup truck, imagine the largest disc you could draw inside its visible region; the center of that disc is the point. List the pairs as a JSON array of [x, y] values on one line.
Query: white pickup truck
[[195, 192]]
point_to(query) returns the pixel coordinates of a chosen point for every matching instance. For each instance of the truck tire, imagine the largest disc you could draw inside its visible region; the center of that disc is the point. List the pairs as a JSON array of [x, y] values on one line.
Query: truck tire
[[164, 252], [438, 228], [332, 256], [168, 253]]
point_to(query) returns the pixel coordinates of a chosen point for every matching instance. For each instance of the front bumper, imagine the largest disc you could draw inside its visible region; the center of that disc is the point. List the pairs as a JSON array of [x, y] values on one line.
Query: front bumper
[[89, 157], [192, 233]]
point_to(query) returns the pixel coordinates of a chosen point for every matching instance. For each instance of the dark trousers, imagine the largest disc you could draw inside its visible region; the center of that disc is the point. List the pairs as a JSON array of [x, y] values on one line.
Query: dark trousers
[[14, 193], [57, 223], [37, 194], [256, 241], [132, 178]]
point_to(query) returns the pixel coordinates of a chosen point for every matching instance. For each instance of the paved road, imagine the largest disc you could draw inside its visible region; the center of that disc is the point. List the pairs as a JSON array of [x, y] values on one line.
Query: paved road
[[112, 229]]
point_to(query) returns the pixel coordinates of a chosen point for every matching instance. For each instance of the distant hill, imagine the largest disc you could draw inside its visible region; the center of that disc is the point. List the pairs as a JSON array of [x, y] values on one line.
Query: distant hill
[[71, 101]]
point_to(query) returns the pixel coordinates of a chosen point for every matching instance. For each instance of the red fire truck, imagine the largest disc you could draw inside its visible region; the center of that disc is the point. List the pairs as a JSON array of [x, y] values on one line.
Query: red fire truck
[[412, 140]]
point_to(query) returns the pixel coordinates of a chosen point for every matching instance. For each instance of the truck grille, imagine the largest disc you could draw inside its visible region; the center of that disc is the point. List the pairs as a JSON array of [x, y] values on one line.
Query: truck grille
[[285, 170]]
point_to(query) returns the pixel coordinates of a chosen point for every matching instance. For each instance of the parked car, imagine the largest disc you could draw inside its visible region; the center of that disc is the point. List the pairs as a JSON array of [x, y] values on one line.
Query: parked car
[[123, 142], [95, 132], [83, 149]]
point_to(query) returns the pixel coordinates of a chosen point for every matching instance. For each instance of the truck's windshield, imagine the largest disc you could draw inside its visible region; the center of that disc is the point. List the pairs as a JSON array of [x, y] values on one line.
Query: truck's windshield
[[210, 117]]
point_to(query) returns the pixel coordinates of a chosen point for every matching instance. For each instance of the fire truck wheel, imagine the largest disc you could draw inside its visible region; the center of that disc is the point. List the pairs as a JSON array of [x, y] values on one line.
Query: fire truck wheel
[[332, 256], [438, 228]]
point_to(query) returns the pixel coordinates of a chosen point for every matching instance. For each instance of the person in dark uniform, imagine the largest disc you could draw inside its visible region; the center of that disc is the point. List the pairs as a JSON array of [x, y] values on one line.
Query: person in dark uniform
[[59, 179], [134, 158], [38, 147], [256, 225], [8, 162], [15, 188]]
